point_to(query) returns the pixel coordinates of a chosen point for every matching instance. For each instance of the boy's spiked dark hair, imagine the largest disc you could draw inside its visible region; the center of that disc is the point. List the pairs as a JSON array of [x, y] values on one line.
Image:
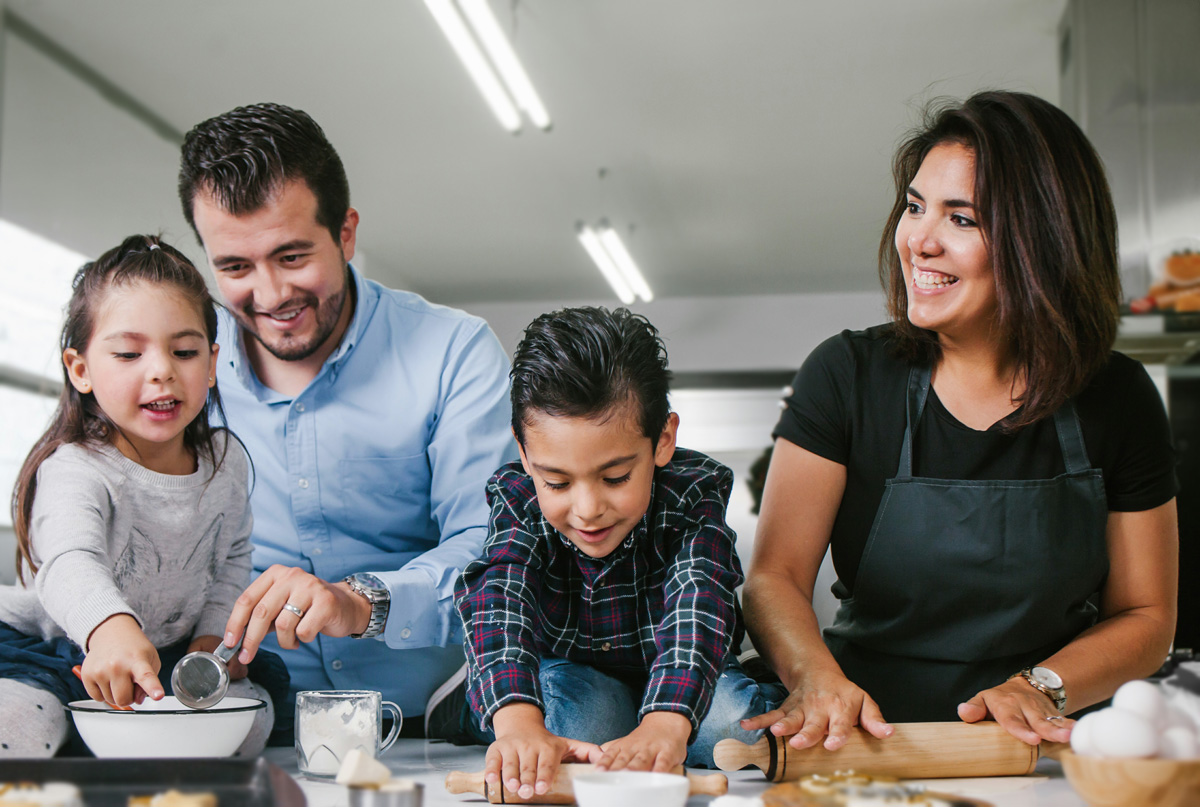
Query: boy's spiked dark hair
[[247, 154], [587, 362]]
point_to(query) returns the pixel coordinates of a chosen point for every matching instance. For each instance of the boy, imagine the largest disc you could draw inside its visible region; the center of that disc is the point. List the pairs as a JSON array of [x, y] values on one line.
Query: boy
[[601, 619]]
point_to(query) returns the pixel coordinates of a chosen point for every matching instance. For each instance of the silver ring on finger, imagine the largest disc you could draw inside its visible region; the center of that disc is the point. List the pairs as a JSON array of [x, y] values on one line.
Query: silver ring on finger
[[1052, 718], [298, 611]]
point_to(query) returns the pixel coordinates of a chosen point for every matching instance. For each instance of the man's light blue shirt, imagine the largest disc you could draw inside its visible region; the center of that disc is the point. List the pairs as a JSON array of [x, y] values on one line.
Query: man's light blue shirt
[[378, 466]]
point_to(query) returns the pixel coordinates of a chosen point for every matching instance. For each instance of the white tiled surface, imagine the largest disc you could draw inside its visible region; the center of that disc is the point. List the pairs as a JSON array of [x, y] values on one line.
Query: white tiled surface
[[428, 763]]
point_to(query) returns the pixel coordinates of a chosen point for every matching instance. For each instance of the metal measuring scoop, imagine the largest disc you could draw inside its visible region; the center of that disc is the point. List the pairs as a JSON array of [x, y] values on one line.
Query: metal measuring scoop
[[201, 679]]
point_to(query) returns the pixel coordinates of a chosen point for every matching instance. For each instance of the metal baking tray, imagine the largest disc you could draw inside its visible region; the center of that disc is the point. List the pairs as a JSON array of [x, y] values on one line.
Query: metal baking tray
[[110, 782]]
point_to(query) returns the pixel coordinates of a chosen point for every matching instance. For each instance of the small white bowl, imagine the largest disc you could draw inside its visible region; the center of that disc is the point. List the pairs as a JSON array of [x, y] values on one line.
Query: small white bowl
[[629, 788], [165, 728]]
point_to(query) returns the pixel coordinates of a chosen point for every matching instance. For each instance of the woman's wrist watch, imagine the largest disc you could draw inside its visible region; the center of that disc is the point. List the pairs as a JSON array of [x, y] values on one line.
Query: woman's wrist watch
[[377, 593], [1049, 683]]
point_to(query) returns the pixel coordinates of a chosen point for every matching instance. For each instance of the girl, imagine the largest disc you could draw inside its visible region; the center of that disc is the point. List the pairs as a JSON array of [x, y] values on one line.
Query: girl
[[131, 512]]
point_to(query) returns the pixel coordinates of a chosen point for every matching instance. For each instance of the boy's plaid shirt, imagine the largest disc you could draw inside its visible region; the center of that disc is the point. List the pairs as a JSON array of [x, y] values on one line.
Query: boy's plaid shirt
[[659, 611]]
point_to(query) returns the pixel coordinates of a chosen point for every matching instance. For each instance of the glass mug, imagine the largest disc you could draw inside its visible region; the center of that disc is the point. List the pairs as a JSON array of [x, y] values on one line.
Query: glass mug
[[330, 724]]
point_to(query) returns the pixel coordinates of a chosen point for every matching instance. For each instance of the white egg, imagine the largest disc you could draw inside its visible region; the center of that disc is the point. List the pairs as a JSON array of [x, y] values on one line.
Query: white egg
[[1081, 736], [1118, 733], [1178, 742], [1144, 699], [1174, 717]]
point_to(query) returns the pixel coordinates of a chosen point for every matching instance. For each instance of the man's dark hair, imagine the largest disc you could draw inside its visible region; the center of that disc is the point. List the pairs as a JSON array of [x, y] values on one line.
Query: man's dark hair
[[589, 362], [247, 154]]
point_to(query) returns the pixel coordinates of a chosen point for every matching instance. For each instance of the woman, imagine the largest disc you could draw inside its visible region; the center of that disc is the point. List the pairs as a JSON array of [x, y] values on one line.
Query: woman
[[996, 483]]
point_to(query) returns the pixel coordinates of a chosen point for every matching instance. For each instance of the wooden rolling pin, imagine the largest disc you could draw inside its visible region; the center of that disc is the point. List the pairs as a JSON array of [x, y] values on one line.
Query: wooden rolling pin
[[915, 751], [560, 792]]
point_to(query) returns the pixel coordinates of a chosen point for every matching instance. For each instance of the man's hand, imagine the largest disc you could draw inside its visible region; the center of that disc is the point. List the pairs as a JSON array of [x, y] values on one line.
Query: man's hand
[[209, 644], [525, 756], [329, 608], [659, 743], [121, 666]]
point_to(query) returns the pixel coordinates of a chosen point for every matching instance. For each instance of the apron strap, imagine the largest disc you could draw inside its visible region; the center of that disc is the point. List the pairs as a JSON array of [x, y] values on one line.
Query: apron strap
[[1066, 424], [918, 393], [1070, 438]]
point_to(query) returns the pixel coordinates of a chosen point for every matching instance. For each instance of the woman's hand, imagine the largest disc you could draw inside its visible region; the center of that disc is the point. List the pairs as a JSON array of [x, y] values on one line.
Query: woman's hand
[[209, 644], [823, 706], [121, 666], [1021, 710], [525, 756]]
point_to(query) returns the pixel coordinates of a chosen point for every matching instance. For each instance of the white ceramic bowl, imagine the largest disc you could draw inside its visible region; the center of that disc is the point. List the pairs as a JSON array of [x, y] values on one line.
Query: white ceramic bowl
[[630, 788], [165, 728]]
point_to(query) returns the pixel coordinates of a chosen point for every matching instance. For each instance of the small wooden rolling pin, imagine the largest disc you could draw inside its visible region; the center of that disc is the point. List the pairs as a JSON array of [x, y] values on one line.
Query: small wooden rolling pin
[[915, 751], [560, 791]]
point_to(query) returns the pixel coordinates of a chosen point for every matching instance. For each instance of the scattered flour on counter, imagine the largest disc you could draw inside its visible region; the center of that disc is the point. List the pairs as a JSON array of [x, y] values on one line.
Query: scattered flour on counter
[[327, 735], [736, 801]]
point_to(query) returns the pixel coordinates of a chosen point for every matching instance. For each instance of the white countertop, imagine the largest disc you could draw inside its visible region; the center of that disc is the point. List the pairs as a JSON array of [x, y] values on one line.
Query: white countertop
[[429, 762]]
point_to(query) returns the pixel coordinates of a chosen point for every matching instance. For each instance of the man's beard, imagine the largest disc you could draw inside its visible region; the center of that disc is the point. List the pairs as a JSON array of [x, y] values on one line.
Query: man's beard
[[289, 348]]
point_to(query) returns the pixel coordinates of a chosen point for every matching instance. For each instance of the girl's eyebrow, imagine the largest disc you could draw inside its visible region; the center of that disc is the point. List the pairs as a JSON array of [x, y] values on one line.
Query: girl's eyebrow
[[134, 335]]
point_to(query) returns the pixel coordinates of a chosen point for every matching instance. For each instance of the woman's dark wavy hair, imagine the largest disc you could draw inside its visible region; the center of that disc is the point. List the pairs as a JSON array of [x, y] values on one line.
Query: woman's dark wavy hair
[[1048, 221], [79, 419], [247, 154], [588, 362]]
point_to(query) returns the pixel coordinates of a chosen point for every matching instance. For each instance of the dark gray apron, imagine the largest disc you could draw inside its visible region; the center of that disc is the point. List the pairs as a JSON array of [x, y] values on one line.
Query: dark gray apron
[[962, 583]]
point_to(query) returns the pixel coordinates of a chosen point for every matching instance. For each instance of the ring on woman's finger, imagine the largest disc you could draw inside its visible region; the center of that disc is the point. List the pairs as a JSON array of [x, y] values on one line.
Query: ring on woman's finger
[[299, 612], [1055, 717]]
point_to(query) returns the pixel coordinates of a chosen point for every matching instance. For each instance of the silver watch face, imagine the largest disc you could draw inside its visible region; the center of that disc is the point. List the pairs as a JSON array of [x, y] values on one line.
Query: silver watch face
[[369, 582], [1046, 677]]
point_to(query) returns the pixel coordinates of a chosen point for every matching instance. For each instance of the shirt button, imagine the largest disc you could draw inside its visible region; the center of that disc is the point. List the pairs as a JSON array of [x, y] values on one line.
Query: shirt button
[[299, 407], [606, 646], [404, 634], [303, 483], [318, 551], [337, 664]]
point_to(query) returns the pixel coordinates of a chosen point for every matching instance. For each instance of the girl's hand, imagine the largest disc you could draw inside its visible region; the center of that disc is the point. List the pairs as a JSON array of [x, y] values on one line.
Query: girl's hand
[[121, 666], [209, 644], [823, 706], [659, 743], [1022, 710], [525, 756]]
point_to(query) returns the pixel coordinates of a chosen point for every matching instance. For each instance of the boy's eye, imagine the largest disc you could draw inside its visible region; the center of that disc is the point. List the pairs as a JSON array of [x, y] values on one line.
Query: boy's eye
[[619, 480], [187, 354], [126, 356], [554, 485]]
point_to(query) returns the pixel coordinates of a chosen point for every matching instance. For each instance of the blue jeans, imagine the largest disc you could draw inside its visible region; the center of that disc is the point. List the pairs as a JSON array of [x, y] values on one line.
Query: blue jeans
[[583, 703]]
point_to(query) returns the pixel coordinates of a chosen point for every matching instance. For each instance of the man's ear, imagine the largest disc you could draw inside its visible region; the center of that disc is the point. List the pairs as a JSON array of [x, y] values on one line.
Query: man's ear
[[665, 448], [77, 371], [349, 233]]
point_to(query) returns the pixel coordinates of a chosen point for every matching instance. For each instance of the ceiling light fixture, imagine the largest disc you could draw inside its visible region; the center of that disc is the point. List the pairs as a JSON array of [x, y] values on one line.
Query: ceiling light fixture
[[613, 260], [516, 84]]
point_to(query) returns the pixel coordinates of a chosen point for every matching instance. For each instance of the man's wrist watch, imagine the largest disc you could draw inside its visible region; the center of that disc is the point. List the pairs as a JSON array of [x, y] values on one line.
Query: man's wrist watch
[[1049, 683], [376, 593]]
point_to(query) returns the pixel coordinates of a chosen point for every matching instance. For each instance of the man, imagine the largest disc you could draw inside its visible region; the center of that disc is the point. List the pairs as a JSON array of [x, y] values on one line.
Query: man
[[373, 418]]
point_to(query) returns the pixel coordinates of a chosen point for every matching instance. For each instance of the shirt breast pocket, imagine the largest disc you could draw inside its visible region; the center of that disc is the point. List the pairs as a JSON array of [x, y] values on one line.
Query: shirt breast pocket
[[384, 497]]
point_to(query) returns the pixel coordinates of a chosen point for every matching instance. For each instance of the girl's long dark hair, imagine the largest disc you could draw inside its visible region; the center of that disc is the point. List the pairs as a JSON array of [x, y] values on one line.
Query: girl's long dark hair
[[79, 419], [1048, 221]]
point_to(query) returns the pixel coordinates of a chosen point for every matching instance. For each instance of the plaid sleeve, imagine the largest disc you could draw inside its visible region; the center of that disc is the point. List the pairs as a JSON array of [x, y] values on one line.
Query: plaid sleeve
[[699, 615], [497, 596]]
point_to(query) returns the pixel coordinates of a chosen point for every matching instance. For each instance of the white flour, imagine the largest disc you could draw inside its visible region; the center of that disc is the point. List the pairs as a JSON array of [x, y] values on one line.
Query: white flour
[[325, 735]]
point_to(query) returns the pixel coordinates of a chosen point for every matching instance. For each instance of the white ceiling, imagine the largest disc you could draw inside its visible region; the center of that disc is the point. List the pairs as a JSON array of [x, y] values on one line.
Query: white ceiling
[[746, 144]]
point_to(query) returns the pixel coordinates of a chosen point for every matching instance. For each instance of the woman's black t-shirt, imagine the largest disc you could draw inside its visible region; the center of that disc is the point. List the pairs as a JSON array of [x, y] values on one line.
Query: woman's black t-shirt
[[848, 406]]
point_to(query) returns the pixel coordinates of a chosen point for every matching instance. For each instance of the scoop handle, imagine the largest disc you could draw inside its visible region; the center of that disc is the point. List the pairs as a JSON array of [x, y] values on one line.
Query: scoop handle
[[226, 653]]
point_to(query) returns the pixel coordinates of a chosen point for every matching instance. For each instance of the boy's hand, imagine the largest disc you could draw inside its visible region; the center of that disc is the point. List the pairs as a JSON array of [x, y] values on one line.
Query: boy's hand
[[525, 756], [659, 743], [121, 665], [209, 644]]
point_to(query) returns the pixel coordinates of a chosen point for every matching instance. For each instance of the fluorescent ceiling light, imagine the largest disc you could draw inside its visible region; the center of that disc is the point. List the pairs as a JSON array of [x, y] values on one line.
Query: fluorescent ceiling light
[[471, 56], [614, 261], [600, 256], [621, 257], [480, 15]]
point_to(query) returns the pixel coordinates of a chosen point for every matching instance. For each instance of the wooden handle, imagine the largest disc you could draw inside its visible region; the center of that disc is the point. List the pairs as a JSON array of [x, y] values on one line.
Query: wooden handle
[[561, 792], [915, 751]]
